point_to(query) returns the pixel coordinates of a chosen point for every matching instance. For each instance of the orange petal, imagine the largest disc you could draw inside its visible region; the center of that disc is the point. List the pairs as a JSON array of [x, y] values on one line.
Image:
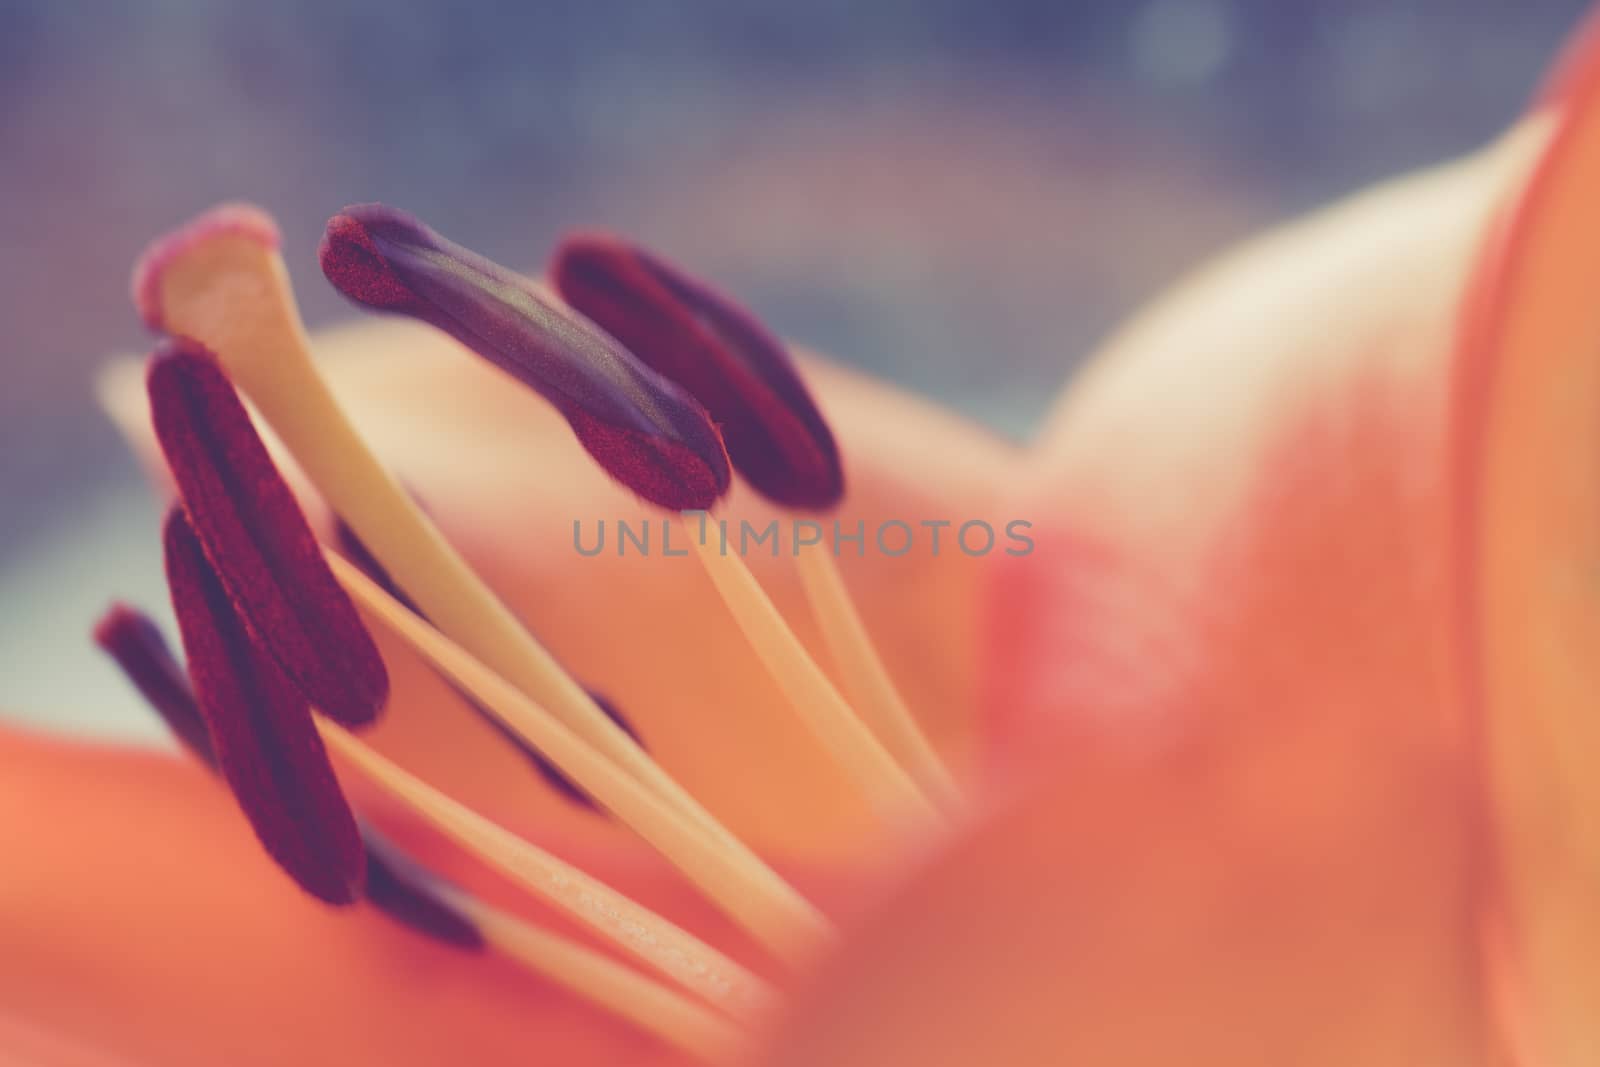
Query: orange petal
[[1241, 620], [506, 481], [1257, 466], [1529, 466], [1245, 501], [139, 918], [1124, 920]]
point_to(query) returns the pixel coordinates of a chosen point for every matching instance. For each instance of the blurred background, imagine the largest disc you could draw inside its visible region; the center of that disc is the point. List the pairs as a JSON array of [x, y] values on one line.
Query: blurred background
[[962, 197]]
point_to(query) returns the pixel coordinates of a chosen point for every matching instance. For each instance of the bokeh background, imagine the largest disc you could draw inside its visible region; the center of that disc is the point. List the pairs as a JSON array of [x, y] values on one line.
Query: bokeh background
[[961, 196]]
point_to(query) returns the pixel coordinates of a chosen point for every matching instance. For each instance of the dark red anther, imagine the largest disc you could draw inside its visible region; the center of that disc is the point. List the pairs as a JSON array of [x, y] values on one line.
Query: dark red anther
[[408, 894], [642, 428], [260, 725], [257, 539], [356, 551], [395, 884], [719, 352], [134, 640]]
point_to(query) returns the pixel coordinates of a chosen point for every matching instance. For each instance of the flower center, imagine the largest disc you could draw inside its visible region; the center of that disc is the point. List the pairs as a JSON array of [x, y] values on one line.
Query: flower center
[[671, 388]]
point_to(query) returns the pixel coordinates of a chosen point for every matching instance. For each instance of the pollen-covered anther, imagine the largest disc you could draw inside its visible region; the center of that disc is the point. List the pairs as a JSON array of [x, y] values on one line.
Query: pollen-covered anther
[[257, 539], [261, 730], [395, 885], [134, 641], [643, 429], [718, 351]]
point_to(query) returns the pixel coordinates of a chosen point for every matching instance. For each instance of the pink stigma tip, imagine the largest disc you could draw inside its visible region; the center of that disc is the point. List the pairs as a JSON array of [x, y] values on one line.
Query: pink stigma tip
[[245, 220]]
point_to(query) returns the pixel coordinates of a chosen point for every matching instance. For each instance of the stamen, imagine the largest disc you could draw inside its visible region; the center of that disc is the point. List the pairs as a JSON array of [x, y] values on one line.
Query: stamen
[[357, 553], [227, 288], [261, 732], [134, 641], [652, 1006], [720, 353], [777, 439], [809, 690], [410, 895], [394, 885], [729, 874], [639, 426], [866, 677], [258, 541], [637, 930]]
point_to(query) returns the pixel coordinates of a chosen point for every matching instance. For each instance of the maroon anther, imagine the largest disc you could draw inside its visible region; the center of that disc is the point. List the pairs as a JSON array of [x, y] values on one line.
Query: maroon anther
[[719, 352], [642, 428], [408, 894], [134, 641], [266, 744], [395, 884], [258, 541]]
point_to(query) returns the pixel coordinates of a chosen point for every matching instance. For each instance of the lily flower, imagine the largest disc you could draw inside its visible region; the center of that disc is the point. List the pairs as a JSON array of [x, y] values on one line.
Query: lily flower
[[1268, 752]]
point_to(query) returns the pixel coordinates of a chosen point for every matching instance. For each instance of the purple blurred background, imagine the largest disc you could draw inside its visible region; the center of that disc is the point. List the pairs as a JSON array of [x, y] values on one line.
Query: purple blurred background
[[963, 197]]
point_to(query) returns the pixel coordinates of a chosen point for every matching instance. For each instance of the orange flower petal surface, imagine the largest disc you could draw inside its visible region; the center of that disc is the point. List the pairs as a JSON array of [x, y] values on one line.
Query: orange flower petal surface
[[1113, 919], [1528, 466]]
